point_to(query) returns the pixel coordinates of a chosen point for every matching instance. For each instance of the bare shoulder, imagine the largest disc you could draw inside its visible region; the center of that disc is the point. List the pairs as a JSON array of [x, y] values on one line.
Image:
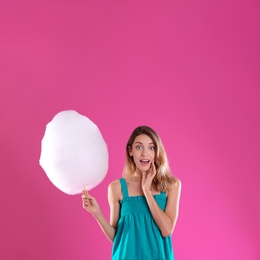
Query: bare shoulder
[[114, 190], [175, 188], [176, 184], [114, 185]]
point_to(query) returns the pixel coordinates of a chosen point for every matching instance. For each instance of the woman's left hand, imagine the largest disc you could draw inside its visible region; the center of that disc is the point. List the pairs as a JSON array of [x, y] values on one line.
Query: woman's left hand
[[147, 178]]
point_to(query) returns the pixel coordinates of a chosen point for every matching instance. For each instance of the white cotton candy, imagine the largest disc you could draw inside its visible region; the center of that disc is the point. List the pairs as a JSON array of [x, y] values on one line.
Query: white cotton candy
[[74, 154]]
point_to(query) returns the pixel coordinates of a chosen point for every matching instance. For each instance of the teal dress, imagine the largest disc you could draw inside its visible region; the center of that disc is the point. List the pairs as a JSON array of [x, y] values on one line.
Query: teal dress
[[137, 236]]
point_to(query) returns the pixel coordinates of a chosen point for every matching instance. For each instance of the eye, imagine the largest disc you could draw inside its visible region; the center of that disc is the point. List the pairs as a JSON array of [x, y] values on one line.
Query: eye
[[152, 148], [138, 147]]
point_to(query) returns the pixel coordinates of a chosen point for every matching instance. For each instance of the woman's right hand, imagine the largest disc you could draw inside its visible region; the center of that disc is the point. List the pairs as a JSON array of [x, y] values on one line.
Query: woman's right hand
[[89, 203]]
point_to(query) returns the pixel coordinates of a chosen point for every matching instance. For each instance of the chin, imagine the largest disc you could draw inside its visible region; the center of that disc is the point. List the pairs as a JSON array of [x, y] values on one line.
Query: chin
[[144, 168]]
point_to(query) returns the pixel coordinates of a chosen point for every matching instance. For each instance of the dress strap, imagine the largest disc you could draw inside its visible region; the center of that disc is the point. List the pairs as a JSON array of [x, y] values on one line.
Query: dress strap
[[124, 187]]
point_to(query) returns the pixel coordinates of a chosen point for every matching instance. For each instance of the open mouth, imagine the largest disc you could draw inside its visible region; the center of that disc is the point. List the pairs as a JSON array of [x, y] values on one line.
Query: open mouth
[[144, 162]]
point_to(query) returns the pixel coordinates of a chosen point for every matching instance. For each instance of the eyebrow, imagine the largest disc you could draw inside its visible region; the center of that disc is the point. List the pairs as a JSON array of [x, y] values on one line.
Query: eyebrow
[[142, 143]]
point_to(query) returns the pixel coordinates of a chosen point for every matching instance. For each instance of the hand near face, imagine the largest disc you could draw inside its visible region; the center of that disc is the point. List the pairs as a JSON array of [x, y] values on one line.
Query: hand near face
[[147, 178]]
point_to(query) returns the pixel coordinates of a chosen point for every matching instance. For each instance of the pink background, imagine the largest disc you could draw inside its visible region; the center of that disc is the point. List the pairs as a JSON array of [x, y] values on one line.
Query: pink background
[[189, 69]]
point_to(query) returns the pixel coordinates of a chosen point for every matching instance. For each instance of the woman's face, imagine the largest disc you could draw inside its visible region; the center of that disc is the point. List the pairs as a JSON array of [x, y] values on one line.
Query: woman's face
[[143, 152]]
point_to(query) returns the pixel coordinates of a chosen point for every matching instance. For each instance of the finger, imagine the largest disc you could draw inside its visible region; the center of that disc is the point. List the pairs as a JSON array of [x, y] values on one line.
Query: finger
[[85, 200], [84, 197], [154, 168], [86, 194], [153, 164], [84, 191], [84, 205], [150, 171], [144, 177]]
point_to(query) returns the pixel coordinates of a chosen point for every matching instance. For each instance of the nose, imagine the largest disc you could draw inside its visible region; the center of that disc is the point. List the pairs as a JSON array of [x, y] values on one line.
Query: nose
[[144, 151]]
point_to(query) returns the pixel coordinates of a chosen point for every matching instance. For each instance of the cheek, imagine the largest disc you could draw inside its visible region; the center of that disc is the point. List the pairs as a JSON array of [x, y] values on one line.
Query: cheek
[[135, 157]]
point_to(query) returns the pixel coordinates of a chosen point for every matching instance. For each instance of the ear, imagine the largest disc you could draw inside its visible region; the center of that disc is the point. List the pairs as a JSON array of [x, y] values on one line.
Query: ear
[[130, 150]]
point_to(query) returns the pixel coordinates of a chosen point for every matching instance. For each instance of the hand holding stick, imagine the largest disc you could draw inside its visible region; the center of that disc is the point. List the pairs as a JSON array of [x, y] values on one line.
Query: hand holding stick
[[89, 203]]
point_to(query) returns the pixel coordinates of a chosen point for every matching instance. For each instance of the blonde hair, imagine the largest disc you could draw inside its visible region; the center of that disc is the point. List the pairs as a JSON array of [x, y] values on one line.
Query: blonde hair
[[163, 178]]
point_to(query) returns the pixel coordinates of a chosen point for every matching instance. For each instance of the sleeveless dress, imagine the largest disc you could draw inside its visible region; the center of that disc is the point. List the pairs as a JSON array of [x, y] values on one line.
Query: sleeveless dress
[[137, 236]]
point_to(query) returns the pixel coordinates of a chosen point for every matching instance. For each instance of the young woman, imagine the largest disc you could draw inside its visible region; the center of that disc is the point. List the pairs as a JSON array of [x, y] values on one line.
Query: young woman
[[144, 204]]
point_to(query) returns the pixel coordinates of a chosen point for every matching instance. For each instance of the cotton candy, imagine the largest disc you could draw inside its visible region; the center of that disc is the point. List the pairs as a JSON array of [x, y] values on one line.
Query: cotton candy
[[74, 154]]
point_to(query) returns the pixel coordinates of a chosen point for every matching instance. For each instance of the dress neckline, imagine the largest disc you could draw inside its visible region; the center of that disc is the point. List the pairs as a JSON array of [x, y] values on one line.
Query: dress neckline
[[137, 197]]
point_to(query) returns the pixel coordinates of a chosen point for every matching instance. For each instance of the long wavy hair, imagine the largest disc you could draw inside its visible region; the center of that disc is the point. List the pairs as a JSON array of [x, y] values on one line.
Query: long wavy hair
[[163, 178]]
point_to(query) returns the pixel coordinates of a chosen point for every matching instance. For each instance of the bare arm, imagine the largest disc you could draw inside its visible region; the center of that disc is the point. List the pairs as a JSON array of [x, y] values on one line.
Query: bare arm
[[114, 196], [91, 205], [165, 220]]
